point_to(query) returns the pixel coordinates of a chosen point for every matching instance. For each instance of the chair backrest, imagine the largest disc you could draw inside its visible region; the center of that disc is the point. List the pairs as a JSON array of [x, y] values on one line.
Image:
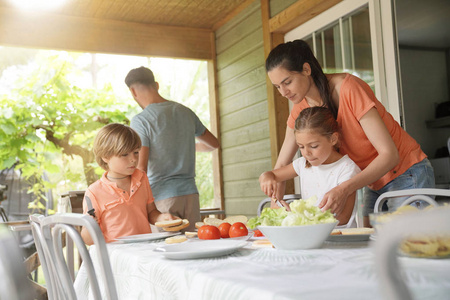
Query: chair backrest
[[53, 228], [389, 237], [45, 257], [288, 198], [14, 284], [412, 195]]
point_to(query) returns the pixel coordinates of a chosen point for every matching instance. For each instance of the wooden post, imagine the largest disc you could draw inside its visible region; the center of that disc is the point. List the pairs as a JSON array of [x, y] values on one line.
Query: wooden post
[[219, 199], [278, 105]]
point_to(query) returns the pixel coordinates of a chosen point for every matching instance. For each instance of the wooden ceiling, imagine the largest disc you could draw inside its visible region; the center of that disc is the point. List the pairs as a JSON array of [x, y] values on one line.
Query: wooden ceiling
[[170, 28], [184, 13]]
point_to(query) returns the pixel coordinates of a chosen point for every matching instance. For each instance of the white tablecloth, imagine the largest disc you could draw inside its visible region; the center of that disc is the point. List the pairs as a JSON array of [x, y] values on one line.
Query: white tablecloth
[[336, 271]]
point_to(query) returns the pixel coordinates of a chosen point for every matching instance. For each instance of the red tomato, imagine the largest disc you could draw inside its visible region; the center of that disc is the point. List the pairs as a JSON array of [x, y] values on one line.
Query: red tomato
[[257, 233], [225, 230], [208, 232], [238, 229]]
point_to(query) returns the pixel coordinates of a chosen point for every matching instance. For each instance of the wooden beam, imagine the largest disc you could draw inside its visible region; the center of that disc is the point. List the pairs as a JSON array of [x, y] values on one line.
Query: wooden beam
[[39, 291], [219, 199], [51, 31], [298, 13], [278, 106], [32, 262]]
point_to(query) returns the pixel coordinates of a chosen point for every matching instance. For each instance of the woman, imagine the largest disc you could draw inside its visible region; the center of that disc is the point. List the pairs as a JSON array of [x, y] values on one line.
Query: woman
[[389, 158]]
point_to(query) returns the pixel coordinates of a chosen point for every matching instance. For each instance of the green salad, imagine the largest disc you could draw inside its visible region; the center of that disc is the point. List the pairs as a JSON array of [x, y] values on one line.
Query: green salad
[[303, 212]]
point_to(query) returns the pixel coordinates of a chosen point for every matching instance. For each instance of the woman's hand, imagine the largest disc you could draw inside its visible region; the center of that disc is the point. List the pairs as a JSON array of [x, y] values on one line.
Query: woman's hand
[[335, 200]]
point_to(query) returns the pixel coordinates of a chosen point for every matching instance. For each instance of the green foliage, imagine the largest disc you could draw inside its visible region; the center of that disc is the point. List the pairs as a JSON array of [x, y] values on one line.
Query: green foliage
[[46, 117], [48, 123]]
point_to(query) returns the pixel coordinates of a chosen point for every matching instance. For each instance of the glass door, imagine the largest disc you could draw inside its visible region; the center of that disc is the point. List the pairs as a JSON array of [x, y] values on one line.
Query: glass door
[[349, 38]]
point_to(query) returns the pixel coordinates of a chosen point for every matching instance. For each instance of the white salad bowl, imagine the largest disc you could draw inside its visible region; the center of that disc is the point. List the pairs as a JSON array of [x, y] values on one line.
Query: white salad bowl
[[298, 237]]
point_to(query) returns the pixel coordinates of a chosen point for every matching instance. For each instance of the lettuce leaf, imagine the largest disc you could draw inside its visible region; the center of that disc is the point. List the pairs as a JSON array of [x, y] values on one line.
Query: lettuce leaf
[[303, 212]]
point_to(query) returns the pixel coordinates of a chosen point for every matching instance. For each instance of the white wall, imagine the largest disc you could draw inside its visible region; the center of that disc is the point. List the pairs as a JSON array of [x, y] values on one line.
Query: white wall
[[424, 84]]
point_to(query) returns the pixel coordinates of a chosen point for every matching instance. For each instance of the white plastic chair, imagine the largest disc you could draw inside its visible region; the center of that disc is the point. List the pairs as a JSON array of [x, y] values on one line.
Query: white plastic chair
[[14, 284], [288, 198], [53, 228], [389, 237], [412, 195], [45, 257]]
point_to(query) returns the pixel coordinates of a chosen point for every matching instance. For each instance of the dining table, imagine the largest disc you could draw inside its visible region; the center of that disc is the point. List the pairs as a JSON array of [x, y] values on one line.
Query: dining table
[[339, 269]]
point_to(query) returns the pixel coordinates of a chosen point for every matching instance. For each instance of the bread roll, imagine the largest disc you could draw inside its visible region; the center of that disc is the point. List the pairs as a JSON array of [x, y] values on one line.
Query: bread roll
[[213, 221], [199, 224], [169, 223], [184, 224], [234, 219]]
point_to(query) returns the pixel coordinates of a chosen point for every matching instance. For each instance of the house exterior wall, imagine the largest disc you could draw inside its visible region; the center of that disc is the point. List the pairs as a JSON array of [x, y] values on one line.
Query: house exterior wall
[[243, 110], [277, 6]]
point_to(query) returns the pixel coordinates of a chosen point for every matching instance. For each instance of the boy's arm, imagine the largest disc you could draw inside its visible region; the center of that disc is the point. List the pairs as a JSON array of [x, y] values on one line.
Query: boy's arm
[[86, 236]]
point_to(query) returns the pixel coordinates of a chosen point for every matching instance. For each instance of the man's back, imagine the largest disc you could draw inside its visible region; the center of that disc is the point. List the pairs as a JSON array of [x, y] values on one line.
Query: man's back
[[169, 129]]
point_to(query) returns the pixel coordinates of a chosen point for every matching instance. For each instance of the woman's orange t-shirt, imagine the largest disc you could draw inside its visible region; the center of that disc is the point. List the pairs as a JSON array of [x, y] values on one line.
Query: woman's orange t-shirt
[[356, 98]]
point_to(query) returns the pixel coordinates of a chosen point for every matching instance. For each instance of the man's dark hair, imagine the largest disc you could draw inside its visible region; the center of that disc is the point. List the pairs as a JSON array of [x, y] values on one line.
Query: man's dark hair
[[141, 75]]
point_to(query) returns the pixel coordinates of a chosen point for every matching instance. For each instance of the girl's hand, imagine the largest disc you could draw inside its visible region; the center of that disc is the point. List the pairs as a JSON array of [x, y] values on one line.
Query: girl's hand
[[335, 200], [268, 184]]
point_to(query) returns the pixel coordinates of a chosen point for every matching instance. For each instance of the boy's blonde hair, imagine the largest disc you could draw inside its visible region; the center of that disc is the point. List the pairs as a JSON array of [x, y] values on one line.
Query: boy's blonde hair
[[114, 140]]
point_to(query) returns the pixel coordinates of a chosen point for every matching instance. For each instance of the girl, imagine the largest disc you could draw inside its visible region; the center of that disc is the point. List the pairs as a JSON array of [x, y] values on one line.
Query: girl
[[321, 166], [389, 158], [122, 197]]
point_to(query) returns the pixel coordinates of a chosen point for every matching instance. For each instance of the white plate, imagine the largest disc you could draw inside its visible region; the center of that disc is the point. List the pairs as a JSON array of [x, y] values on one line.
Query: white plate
[[201, 248], [242, 238], [146, 237], [348, 238]]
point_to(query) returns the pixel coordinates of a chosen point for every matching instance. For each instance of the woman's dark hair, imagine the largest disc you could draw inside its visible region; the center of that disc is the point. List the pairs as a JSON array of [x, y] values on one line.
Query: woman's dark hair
[[291, 56], [319, 119]]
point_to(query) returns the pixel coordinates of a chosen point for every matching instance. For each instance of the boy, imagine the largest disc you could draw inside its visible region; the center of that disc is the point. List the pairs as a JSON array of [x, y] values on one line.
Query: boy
[[122, 197]]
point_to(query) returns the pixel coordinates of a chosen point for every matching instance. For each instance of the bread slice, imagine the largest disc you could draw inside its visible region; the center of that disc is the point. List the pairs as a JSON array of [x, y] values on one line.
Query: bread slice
[[238, 218], [262, 243], [184, 224], [350, 231], [169, 223], [199, 224], [190, 234], [336, 232], [176, 239], [213, 221]]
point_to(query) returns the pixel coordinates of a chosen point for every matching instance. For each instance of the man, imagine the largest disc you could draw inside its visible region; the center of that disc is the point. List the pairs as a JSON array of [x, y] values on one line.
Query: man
[[169, 132]]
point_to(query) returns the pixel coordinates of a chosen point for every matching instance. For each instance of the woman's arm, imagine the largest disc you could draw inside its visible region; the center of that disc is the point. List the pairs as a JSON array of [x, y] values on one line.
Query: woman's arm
[[387, 158], [287, 153], [347, 210]]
